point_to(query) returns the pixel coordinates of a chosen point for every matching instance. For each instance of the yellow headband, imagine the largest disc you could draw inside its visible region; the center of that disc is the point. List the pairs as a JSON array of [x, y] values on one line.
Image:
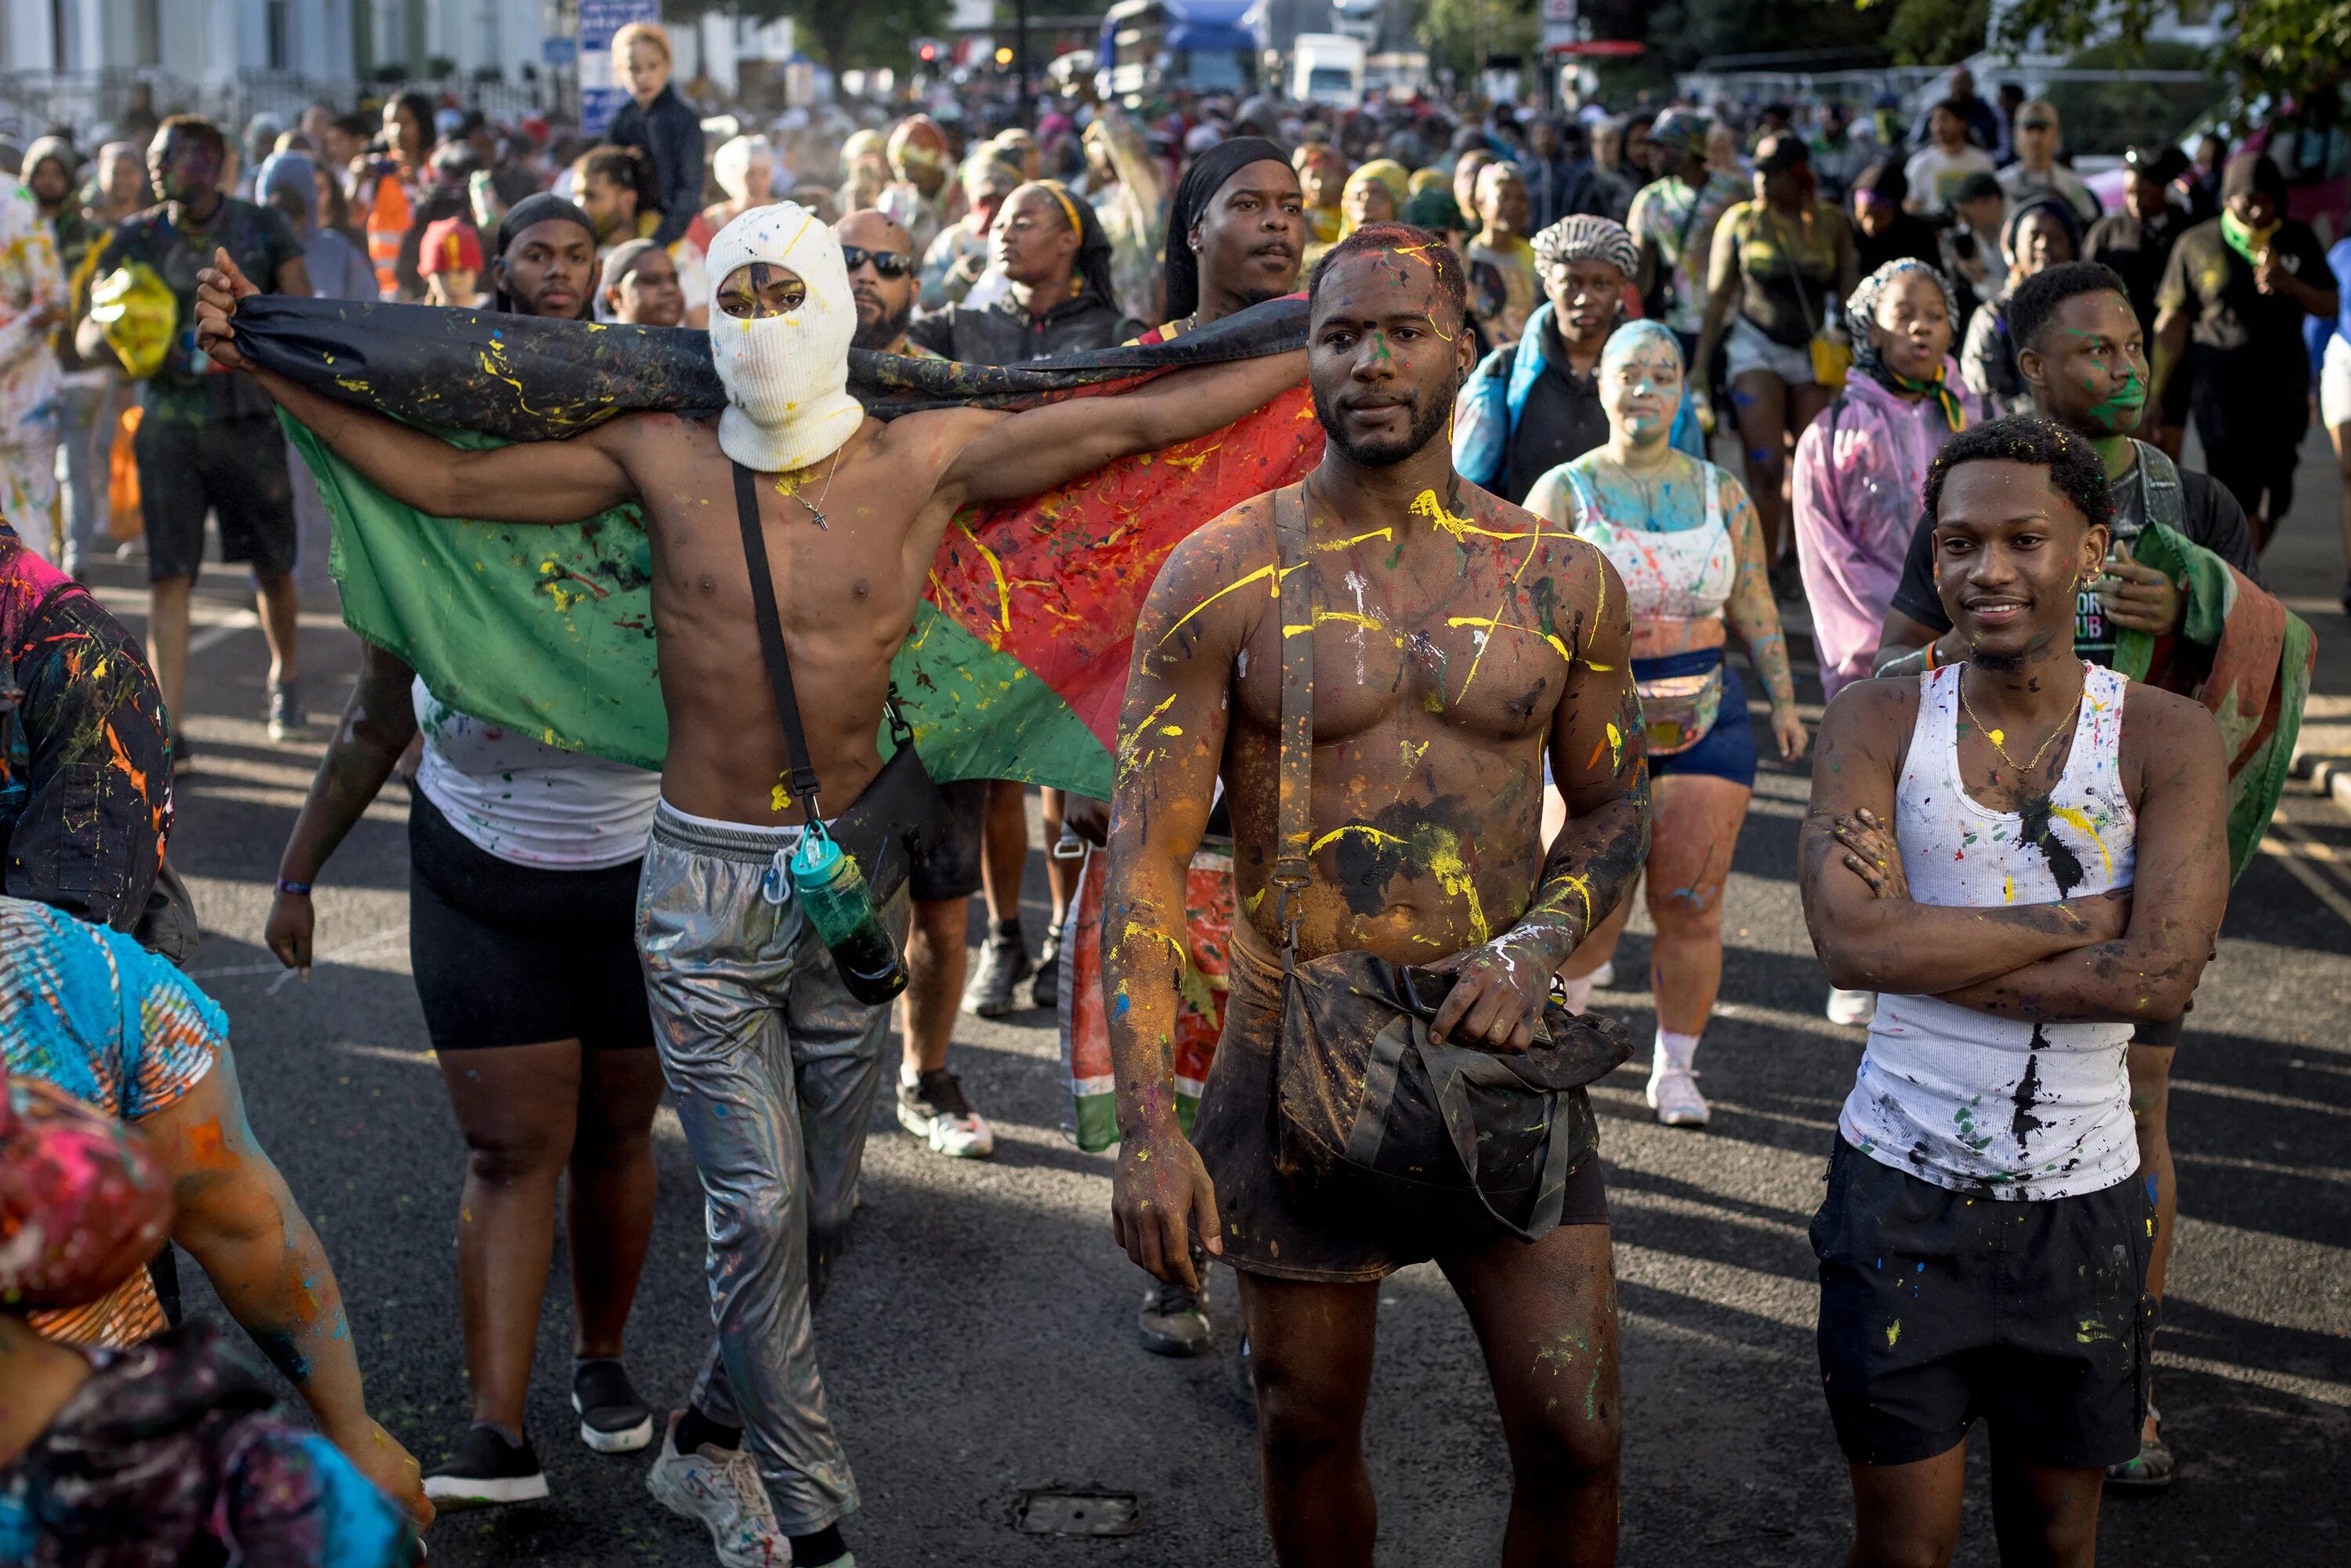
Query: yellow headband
[[1069, 207]]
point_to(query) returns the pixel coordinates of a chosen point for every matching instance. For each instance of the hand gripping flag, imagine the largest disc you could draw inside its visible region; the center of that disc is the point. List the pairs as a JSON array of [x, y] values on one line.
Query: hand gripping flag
[[1018, 659]]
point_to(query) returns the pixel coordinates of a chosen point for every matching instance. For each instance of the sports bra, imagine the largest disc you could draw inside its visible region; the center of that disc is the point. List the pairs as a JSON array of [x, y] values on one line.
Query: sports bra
[[1679, 574]]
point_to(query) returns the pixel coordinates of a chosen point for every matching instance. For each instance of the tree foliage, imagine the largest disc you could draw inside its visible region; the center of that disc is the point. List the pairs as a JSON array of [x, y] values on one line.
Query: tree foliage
[[1933, 32], [844, 34], [2278, 45], [1456, 31]]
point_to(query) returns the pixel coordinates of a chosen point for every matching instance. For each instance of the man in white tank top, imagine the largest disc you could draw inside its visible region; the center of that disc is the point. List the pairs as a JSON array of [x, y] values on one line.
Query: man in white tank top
[[2026, 856]]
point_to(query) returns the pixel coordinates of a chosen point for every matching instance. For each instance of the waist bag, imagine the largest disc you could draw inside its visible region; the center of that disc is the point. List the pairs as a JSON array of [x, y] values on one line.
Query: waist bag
[[1469, 1139], [1676, 711], [898, 813]]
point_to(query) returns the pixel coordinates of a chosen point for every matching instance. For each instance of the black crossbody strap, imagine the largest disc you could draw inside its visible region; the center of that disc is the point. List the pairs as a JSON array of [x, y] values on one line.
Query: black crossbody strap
[[771, 642]]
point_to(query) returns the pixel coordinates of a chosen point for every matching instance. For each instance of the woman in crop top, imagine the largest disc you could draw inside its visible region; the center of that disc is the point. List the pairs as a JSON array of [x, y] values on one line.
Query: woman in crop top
[[1682, 535], [523, 866], [1781, 263]]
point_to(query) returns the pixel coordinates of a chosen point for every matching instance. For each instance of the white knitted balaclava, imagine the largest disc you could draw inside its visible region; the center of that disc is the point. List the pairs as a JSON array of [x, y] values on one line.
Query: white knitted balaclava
[[787, 376]]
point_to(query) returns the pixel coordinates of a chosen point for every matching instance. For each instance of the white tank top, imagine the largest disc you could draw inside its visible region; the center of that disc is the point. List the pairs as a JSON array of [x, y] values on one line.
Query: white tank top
[[2002, 1107], [1679, 574], [528, 803]]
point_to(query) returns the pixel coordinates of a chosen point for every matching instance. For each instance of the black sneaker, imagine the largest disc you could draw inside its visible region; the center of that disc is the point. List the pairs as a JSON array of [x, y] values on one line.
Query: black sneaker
[[485, 1472], [1045, 990], [612, 1419]]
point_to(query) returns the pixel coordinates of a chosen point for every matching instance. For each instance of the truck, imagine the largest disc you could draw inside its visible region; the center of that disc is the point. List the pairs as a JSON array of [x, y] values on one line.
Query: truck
[[1327, 68], [1150, 46]]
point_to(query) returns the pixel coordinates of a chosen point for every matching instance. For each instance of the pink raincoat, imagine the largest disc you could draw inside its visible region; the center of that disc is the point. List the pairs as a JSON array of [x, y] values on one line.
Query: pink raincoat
[[1861, 469]]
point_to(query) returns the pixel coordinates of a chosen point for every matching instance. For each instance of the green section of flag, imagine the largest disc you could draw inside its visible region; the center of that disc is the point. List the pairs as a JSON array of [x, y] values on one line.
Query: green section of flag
[[548, 632]]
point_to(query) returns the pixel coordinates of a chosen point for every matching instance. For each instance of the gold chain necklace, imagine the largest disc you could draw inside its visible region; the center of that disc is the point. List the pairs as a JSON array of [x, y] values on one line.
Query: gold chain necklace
[[2023, 769]]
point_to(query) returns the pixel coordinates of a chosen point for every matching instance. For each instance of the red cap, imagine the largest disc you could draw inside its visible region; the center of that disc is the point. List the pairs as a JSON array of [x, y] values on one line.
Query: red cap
[[450, 244]]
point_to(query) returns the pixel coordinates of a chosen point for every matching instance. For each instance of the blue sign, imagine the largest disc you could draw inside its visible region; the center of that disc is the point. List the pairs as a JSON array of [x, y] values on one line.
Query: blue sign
[[599, 96], [558, 51]]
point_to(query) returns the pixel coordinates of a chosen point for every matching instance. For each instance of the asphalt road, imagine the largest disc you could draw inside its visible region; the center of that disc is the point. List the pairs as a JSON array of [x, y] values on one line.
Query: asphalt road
[[979, 1340]]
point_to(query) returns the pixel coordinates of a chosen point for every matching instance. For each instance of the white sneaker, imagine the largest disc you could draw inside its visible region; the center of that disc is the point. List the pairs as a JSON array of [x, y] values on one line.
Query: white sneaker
[[722, 1488], [932, 1106], [1674, 1096], [1605, 977], [1851, 1007]]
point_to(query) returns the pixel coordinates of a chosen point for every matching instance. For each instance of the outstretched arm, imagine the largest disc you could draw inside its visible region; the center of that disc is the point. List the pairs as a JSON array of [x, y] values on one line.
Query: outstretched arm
[[1171, 740], [529, 482], [1038, 448], [1869, 933], [2148, 973]]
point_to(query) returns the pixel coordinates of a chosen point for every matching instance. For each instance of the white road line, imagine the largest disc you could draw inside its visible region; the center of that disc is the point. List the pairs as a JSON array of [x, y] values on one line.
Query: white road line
[[2312, 1388], [219, 632], [2287, 854], [349, 949]]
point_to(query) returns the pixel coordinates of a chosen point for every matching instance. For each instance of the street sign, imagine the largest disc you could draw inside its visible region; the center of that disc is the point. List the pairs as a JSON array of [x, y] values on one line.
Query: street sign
[[599, 96], [559, 52]]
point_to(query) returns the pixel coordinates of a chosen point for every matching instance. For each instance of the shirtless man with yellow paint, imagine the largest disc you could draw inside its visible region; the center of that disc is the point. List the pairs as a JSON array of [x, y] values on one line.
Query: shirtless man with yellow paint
[[1458, 641]]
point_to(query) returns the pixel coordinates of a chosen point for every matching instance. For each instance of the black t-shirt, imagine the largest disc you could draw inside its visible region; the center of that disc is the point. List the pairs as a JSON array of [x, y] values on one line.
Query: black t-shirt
[[190, 385], [1562, 420], [1909, 238], [2138, 251], [2210, 517], [2245, 346]]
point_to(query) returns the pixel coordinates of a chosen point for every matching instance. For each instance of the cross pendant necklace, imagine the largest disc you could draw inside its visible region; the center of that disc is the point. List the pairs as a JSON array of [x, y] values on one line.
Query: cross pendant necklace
[[816, 508]]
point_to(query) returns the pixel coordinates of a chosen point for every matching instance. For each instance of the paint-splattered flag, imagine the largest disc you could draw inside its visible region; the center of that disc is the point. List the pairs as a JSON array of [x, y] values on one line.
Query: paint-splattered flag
[[1017, 660]]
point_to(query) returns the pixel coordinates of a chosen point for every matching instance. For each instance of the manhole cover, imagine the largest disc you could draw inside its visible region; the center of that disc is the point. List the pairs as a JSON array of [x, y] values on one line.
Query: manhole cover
[[1044, 1512]]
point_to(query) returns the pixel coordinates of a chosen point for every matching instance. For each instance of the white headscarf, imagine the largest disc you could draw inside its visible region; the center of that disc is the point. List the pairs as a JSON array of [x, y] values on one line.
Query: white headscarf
[[787, 376]]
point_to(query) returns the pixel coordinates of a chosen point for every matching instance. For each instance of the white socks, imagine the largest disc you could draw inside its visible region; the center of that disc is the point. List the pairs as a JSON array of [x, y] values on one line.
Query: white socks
[[1673, 1053]]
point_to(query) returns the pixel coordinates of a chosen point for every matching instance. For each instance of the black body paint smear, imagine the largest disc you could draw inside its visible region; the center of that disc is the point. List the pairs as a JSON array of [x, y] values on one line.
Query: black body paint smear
[[2064, 865], [2028, 1087]]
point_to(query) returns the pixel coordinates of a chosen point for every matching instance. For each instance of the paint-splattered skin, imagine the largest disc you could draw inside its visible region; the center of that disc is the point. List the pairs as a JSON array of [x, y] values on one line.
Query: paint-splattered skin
[[1453, 650], [846, 591]]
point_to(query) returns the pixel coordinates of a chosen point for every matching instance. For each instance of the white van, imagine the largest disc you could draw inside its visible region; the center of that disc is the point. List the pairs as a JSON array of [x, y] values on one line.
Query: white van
[[1327, 68]]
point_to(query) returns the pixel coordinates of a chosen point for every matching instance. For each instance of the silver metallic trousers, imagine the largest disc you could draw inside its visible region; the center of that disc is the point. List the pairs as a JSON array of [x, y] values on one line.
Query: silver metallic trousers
[[775, 1068]]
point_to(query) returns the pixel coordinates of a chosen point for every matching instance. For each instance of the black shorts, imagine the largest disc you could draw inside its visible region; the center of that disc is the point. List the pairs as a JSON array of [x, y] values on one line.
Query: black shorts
[[1287, 1225], [517, 955], [234, 468], [950, 868], [1937, 1307]]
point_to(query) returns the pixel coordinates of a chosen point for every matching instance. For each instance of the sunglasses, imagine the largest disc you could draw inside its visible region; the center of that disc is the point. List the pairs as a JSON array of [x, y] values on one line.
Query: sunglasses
[[2036, 125], [890, 263]]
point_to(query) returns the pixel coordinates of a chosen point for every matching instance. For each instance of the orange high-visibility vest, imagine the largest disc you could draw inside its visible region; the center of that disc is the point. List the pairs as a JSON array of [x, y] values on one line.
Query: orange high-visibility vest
[[388, 217]]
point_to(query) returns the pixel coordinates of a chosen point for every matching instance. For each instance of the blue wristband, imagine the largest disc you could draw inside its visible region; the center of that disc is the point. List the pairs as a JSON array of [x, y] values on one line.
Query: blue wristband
[[302, 888]]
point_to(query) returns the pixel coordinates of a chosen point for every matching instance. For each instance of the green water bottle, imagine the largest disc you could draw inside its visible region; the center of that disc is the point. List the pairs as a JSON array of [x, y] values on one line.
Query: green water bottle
[[839, 905]]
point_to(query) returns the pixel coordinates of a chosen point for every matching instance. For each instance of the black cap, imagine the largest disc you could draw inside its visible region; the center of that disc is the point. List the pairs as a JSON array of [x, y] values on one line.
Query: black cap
[[1976, 187], [1788, 151]]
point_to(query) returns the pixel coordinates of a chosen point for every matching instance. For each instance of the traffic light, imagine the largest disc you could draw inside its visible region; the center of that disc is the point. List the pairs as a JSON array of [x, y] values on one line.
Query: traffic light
[[1003, 54], [929, 53]]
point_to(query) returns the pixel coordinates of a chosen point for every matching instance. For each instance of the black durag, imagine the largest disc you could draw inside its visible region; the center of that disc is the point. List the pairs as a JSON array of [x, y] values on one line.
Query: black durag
[[544, 207], [1194, 191]]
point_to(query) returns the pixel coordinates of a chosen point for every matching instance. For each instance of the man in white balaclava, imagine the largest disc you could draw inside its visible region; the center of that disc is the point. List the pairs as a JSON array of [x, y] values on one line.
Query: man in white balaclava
[[775, 1063], [786, 374]]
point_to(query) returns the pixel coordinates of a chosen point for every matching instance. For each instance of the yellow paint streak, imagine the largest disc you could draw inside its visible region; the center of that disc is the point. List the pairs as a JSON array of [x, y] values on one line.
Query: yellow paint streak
[[1260, 574], [2074, 815], [1452, 874], [1372, 833], [1384, 535], [1003, 593], [1615, 748], [1426, 504]]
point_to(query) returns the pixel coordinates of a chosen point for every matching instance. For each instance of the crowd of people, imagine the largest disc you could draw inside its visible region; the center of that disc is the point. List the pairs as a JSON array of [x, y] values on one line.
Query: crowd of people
[[1611, 393]]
